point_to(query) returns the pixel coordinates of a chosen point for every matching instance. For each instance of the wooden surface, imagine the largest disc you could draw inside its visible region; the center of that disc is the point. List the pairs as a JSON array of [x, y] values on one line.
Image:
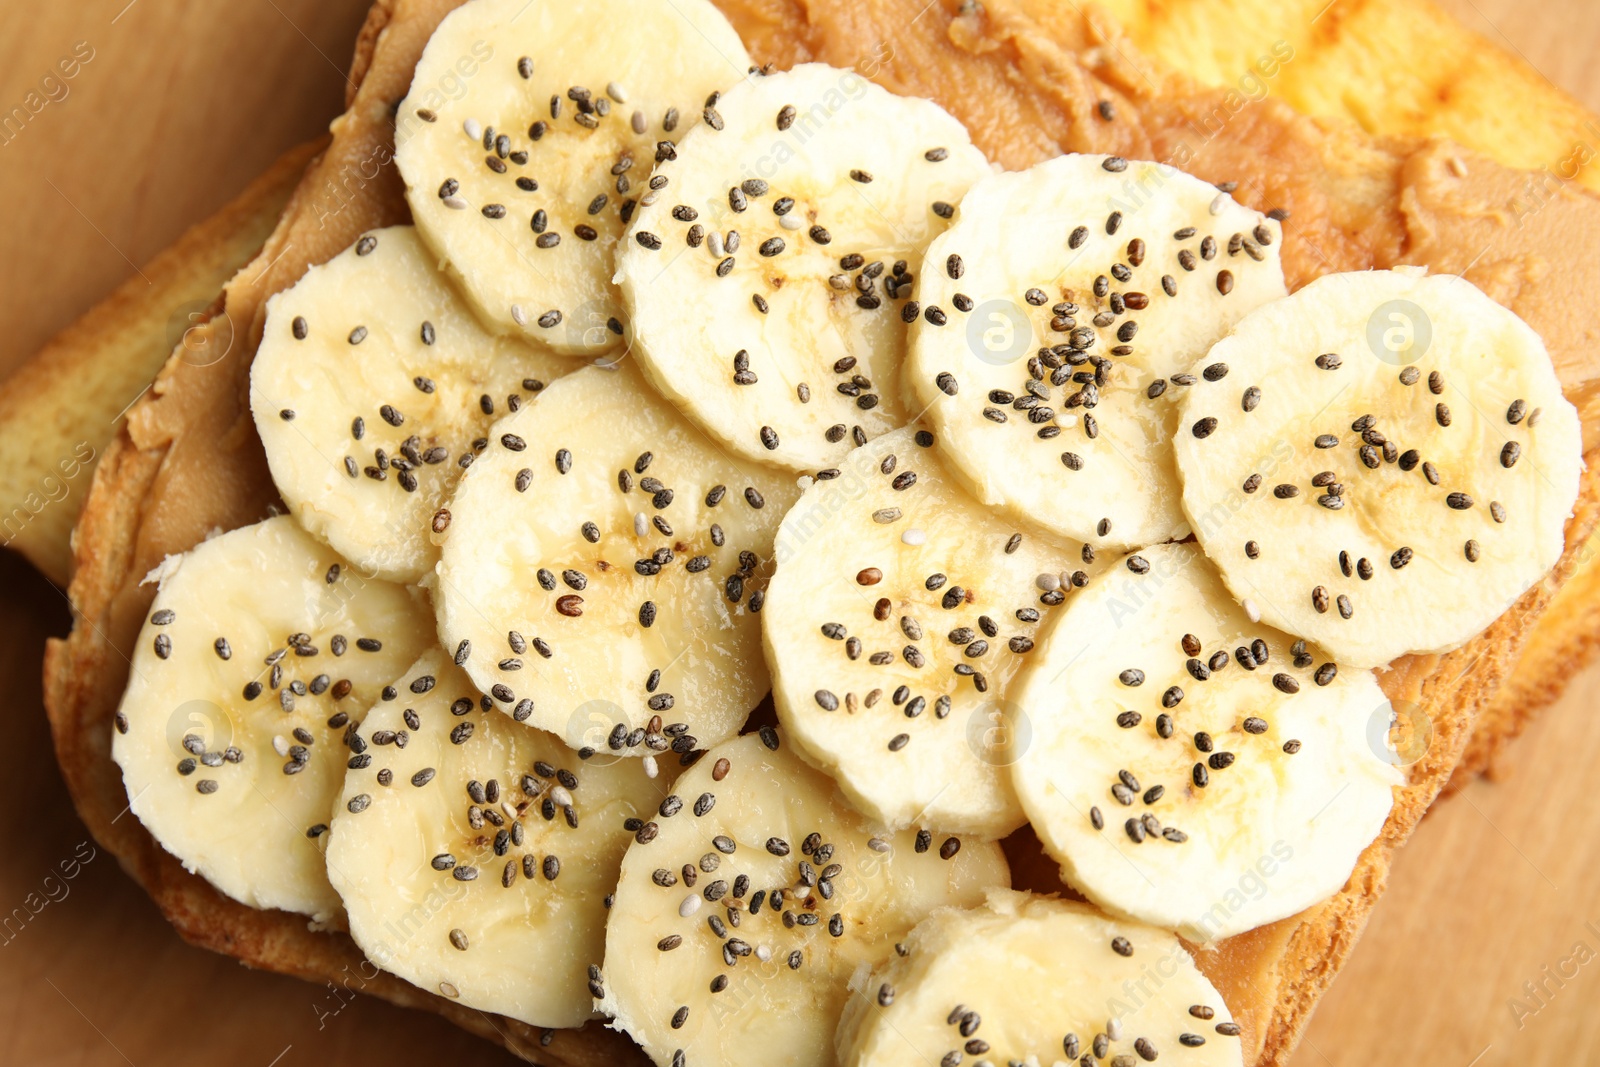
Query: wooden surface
[[178, 108]]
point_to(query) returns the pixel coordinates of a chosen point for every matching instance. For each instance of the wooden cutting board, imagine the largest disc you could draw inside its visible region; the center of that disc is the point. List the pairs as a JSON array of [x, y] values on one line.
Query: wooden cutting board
[[1482, 953]]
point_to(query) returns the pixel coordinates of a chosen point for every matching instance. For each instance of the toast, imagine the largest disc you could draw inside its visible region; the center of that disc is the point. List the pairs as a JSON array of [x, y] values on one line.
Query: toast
[[188, 462], [1395, 69]]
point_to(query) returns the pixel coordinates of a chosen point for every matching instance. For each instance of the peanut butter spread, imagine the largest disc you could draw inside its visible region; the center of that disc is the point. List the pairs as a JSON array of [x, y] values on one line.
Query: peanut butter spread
[[1030, 79]]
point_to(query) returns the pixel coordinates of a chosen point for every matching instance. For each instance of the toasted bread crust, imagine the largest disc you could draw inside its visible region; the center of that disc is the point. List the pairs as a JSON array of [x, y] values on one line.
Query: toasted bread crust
[[59, 410], [188, 463], [1563, 640]]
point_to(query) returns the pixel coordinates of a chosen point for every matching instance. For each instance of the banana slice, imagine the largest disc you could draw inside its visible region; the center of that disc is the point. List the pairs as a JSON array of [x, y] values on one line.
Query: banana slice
[[899, 613], [1190, 768], [1071, 298], [1383, 462], [475, 856], [770, 281], [528, 142], [262, 652], [1035, 980], [604, 566], [748, 902], [371, 386]]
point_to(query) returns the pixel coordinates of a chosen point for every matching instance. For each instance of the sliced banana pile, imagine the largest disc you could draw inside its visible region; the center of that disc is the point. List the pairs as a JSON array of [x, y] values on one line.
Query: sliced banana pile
[[529, 140], [1036, 980], [1192, 768], [604, 565], [894, 421], [372, 389], [751, 897], [1382, 462], [475, 856], [770, 282], [900, 611], [1061, 313], [261, 654]]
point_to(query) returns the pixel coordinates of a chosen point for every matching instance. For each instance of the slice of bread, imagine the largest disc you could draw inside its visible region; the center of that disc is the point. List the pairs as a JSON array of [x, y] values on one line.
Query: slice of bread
[[1026, 78], [1394, 67]]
